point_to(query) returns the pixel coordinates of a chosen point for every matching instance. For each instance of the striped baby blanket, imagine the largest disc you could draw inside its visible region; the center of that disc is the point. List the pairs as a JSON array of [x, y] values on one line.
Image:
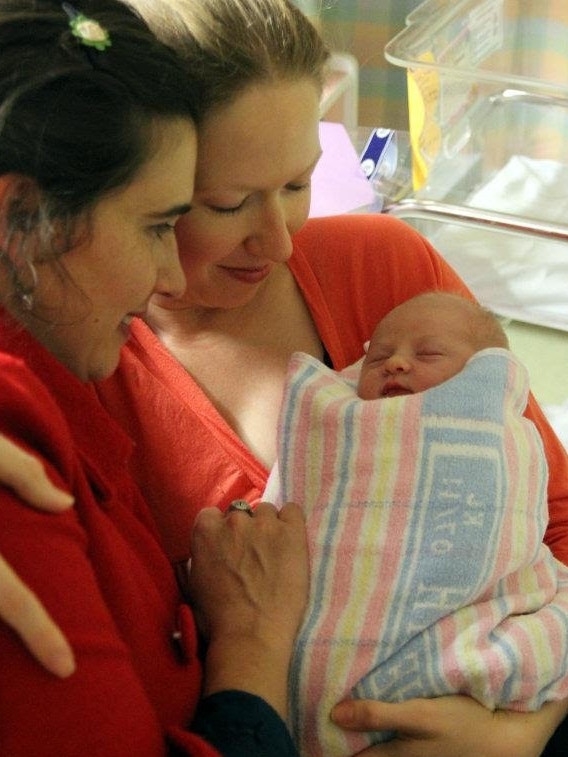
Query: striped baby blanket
[[425, 517]]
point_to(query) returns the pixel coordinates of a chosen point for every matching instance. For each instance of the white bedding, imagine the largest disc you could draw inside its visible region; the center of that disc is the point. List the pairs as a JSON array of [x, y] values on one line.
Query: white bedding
[[520, 277]]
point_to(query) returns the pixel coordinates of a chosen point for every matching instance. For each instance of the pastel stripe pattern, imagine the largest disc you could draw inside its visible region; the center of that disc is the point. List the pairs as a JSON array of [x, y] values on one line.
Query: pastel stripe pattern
[[425, 518]]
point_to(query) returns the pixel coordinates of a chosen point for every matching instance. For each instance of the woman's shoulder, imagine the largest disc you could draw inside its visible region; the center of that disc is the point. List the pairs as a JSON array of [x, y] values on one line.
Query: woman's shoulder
[[30, 416], [368, 246], [373, 250], [22, 393], [354, 225], [362, 237]]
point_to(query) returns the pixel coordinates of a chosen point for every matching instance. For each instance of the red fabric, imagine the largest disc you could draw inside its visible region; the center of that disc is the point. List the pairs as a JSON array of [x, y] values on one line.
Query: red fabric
[[352, 270], [100, 572]]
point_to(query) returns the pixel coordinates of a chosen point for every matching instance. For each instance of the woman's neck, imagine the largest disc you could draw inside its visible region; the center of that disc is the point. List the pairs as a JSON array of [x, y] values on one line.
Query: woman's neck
[[257, 317], [185, 325], [239, 356]]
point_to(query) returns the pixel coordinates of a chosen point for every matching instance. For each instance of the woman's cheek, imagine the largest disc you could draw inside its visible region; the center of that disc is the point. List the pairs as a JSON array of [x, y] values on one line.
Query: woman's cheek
[[299, 212]]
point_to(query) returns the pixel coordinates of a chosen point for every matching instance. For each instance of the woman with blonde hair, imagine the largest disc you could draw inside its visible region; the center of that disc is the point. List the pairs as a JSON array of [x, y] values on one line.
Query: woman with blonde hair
[[200, 380]]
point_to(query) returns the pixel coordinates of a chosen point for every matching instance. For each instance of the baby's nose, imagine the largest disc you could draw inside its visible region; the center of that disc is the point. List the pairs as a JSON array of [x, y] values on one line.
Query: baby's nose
[[397, 364]]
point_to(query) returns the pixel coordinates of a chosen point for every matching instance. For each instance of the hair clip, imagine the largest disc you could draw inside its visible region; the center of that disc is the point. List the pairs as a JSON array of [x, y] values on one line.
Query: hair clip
[[88, 31]]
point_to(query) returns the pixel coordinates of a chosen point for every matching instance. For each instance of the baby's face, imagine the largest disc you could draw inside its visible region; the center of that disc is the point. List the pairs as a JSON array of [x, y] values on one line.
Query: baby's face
[[415, 347]]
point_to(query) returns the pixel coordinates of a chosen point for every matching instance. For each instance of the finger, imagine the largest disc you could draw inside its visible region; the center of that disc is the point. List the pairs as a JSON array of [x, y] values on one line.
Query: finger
[[291, 513], [367, 715], [20, 609], [208, 516], [26, 475], [207, 523], [265, 509], [371, 715]]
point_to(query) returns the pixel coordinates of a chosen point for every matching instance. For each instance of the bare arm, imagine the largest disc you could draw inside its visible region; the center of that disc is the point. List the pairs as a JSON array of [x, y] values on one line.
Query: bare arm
[[19, 607], [251, 611]]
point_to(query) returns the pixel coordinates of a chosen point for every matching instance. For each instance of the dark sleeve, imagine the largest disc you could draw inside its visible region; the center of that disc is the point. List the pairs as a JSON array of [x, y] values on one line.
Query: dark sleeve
[[239, 724], [558, 744]]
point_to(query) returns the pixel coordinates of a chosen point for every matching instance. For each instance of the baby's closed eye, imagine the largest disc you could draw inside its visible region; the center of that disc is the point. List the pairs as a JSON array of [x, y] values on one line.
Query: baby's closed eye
[[430, 355]]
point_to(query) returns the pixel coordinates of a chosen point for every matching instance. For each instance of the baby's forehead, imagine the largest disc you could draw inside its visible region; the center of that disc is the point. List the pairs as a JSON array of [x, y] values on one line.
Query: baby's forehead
[[435, 303], [429, 309], [422, 322], [418, 317], [420, 336]]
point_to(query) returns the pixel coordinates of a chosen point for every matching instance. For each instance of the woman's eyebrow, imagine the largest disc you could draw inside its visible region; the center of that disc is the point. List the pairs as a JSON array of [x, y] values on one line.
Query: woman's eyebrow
[[175, 210]]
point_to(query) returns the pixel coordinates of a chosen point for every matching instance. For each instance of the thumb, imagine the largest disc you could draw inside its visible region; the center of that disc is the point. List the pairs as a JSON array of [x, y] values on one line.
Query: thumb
[[372, 715], [357, 715], [367, 715]]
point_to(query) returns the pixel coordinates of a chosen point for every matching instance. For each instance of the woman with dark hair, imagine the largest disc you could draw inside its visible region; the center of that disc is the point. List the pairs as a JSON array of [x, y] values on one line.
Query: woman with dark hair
[[97, 160]]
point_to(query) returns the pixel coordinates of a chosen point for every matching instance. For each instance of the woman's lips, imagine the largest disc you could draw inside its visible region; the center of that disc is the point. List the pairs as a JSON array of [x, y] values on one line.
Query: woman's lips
[[248, 275]]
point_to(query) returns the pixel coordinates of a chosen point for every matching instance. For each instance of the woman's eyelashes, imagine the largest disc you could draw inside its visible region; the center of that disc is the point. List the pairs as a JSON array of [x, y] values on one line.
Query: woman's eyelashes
[[227, 211], [160, 230], [299, 187], [166, 227], [232, 209]]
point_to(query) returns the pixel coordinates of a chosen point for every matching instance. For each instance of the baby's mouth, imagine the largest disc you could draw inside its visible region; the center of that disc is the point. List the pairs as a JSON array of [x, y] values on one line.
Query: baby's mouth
[[394, 389]]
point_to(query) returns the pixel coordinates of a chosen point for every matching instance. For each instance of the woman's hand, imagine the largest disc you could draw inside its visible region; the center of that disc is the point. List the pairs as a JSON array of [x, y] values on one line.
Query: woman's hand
[[26, 475], [452, 726], [21, 610], [249, 582], [19, 607]]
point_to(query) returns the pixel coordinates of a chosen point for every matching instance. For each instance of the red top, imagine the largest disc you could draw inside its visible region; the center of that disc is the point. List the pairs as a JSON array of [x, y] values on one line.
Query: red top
[[100, 572], [352, 270]]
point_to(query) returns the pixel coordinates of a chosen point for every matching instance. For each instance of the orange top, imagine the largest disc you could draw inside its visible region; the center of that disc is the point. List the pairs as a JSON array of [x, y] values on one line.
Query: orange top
[[352, 270]]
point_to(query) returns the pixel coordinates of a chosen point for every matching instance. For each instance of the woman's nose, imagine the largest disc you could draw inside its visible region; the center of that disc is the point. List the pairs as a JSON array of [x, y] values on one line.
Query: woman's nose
[[170, 280], [271, 238]]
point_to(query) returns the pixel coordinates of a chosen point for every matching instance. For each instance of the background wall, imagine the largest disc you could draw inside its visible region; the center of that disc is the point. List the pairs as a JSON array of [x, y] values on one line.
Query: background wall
[[363, 27]]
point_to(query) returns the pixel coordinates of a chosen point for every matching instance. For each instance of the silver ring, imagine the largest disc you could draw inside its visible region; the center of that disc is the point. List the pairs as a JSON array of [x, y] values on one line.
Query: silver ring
[[240, 506]]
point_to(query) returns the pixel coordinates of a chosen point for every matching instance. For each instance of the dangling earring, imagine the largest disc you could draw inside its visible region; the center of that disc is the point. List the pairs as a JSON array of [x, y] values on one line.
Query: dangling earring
[[26, 293]]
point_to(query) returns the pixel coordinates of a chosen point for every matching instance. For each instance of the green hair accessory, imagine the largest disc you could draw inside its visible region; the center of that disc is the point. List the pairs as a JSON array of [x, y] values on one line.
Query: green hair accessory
[[88, 31]]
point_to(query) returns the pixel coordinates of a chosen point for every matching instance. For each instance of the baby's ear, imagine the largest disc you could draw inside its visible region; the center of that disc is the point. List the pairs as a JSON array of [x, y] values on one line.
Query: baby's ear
[[366, 347]]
